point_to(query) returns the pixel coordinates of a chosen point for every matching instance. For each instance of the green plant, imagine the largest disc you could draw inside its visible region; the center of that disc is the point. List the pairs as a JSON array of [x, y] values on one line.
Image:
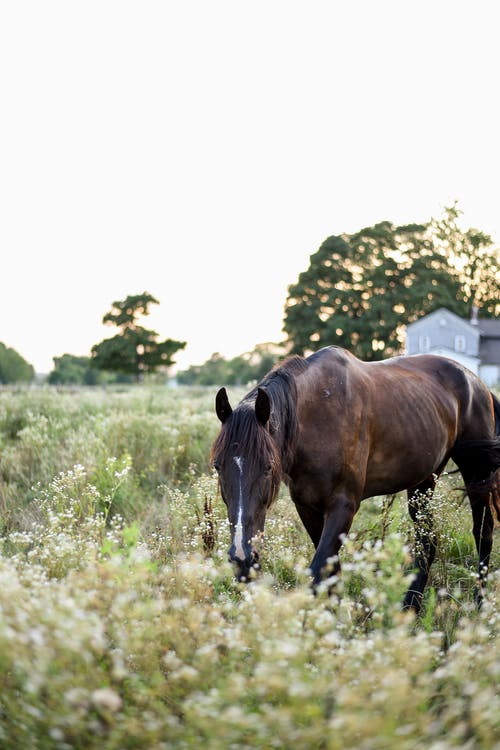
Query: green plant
[[132, 632]]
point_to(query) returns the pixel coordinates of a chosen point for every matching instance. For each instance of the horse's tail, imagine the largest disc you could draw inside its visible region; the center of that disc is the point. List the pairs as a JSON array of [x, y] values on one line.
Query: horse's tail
[[479, 464], [495, 492], [496, 412]]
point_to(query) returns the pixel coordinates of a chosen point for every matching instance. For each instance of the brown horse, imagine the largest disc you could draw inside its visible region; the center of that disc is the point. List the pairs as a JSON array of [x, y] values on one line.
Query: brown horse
[[338, 430]]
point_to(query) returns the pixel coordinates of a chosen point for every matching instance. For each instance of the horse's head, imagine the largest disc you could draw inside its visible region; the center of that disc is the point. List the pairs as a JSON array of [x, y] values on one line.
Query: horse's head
[[247, 461]]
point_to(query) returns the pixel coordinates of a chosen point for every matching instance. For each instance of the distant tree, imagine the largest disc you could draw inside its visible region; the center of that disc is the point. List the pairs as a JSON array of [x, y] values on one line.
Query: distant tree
[[74, 370], [360, 290], [135, 350], [13, 367], [255, 364], [240, 370], [212, 372]]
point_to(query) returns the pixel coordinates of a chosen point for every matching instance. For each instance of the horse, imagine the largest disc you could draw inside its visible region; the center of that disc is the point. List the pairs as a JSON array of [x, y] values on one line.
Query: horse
[[338, 430]]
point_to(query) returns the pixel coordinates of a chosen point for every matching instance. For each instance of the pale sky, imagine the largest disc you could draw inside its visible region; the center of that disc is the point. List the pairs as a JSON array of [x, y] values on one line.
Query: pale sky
[[203, 149]]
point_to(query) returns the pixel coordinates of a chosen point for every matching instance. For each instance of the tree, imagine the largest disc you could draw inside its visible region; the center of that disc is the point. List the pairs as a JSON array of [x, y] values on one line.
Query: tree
[[70, 369], [361, 289], [13, 367], [474, 259], [213, 372], [135, 350], [240, 370]]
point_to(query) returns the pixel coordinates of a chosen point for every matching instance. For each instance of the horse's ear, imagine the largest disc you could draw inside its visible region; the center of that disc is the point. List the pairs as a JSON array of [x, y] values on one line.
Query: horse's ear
[[262, 406], [222, 405]]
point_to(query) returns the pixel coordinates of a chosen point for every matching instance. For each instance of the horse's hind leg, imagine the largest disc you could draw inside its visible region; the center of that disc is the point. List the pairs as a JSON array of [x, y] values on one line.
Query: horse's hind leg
[[482, 529], [425, 543], [476, 461]]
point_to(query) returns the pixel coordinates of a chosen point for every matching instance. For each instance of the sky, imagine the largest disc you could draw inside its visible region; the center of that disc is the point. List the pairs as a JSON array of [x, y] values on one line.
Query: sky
[[202, 151]]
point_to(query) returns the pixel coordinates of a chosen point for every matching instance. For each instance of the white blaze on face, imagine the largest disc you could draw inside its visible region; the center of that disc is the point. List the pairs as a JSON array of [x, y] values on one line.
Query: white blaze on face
[[238, 529]]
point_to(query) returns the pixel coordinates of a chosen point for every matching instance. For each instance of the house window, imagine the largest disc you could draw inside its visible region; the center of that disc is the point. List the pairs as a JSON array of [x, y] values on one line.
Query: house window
[[459, 343], [424, 343]]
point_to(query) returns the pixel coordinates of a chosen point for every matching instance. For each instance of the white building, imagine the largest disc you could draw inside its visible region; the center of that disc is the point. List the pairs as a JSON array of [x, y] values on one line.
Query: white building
[[474, 343]]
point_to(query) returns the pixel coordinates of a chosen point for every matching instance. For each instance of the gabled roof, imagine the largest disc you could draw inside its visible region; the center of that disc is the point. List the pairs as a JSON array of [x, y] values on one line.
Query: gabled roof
[[486, 331], [444, 312]]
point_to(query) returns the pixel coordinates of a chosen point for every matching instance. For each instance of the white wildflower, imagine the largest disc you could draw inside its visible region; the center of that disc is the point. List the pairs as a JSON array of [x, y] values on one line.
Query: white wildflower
[[106, 698]]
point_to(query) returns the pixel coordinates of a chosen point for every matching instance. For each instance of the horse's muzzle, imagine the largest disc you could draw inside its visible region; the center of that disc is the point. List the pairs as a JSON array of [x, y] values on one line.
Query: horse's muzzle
[[244, 567]]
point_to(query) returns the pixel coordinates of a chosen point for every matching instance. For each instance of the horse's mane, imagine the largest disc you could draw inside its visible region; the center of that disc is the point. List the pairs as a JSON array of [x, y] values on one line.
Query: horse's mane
[[282, 390], [243, 430]]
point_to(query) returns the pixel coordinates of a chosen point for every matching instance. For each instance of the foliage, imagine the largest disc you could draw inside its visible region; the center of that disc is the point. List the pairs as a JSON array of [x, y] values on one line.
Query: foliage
[[70, 369], [361, 289], [241, 370], [135, 350], [124, 632], [477, 263], [13, 367]]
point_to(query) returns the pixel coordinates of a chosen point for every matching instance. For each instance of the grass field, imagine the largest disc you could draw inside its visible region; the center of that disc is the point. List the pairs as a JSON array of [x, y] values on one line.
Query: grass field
[[121, 625]]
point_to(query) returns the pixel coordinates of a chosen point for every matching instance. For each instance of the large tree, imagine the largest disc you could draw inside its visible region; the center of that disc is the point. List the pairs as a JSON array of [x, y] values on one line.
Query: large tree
[[360, 290], [134, 350]]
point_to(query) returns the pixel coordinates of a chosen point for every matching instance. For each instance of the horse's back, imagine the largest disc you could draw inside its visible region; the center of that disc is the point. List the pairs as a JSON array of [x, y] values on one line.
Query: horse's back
[[412, 381], [389, 424], [475, 418]]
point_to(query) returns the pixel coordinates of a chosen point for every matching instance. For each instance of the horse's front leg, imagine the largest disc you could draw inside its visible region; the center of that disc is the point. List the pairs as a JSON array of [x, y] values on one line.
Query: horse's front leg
[[337, 522], [425, 541]]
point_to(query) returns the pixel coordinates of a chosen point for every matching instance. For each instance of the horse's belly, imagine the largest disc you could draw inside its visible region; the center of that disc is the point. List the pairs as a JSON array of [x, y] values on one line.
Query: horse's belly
[[388, 474]]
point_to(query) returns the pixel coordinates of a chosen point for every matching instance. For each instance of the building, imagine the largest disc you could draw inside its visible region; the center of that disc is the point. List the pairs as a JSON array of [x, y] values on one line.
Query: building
[[475, 343]]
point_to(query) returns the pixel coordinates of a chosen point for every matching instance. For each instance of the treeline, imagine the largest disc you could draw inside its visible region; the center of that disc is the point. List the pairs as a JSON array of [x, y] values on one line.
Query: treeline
[[240, 370], [68, 370], [73, 370], [133, 353], [359, 292]]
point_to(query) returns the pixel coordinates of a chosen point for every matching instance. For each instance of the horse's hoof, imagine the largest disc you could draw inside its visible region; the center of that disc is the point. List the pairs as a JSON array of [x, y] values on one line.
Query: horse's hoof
[[412, 601], [478, 597]]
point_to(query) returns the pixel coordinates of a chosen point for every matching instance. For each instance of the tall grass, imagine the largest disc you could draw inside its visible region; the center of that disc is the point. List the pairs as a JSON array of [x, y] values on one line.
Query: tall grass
[[164, 434], [122, 626]]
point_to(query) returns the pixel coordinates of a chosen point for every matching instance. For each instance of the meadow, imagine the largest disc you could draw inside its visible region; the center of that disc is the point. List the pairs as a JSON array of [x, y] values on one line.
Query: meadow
[[122, 626]]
